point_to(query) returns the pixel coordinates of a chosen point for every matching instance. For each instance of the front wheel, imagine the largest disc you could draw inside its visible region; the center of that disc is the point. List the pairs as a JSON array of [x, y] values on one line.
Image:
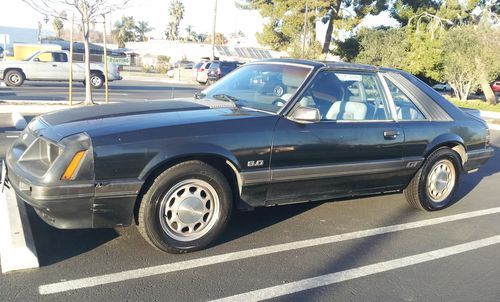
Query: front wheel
[[186, 208], [434, 185], [14, 78]]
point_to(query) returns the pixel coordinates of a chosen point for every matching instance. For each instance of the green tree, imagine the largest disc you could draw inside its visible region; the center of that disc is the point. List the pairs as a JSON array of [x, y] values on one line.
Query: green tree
[[286, 18], [141, 29], [176, 13], [471, 59], [379, 46], [58, 24], [124, 31]]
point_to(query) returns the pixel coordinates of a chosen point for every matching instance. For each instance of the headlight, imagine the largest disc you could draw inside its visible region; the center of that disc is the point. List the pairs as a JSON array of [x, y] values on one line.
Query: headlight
[[41, 150], [39, 156]]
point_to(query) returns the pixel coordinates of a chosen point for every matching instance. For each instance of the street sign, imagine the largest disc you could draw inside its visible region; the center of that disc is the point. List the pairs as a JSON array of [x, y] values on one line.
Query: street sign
[[119, 60]]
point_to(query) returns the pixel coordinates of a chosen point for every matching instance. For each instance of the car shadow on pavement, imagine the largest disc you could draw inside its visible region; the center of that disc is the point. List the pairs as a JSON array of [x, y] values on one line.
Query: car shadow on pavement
[[54, 245], [245, 223], [469, 181]]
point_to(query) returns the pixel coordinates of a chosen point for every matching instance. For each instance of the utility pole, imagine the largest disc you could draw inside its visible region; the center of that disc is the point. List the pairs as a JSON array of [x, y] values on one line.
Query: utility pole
[[213, 31], [70, 98], [305, 30], [106, 93]]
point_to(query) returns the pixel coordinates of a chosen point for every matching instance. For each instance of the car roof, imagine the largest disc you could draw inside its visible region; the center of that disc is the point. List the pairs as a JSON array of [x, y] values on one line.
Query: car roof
[[331, 64]]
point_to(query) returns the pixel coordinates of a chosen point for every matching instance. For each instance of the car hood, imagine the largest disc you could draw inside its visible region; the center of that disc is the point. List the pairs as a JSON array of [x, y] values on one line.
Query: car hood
[[102, 120]]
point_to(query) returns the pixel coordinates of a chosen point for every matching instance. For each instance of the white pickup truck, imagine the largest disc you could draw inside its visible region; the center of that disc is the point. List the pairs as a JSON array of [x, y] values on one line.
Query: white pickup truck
[[53, 66]]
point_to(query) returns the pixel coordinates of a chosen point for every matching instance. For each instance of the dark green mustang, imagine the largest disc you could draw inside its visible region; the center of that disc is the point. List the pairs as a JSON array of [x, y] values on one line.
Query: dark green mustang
[[177, 168]]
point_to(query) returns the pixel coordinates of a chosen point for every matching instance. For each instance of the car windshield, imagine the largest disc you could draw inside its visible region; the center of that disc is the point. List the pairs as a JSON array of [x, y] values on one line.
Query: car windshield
[[250, 86]]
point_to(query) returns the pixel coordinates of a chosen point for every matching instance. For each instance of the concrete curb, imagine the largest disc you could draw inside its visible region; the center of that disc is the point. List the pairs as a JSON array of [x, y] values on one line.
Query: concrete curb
[[490, 114], [495, 127], [17, 247]]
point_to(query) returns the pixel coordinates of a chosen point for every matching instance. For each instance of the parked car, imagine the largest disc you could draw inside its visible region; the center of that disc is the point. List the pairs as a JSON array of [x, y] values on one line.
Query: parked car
[[184, 64], [219, 69], [53, 66], [170, 72], [177, 168], [442, 87], [269, 83], [202, 74], [201, 67], [495, 86]]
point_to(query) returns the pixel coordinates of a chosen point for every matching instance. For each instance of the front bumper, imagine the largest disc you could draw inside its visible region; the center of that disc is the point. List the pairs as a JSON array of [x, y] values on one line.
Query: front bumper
[[77, 205], [477, 158]]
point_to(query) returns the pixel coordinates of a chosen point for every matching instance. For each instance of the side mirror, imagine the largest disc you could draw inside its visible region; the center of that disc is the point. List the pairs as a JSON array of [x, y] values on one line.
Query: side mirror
[[306, 115], [36, 60]]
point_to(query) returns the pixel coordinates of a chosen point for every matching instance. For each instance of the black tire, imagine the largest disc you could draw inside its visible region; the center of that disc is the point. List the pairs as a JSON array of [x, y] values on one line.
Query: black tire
[[278, 90], [162, 197], [96, 80], [419, 194], [14, 78]]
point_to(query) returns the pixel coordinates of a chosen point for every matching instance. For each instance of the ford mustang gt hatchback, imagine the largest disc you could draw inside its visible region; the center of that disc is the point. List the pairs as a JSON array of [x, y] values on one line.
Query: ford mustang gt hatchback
[[177, 168]]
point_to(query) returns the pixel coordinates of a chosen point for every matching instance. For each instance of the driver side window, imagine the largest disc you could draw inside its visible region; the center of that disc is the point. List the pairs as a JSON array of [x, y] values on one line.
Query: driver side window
[[347, 96], [44, 57]]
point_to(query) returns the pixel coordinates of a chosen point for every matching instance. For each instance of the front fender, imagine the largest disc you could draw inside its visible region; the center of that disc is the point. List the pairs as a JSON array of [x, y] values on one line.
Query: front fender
[[187, 150]]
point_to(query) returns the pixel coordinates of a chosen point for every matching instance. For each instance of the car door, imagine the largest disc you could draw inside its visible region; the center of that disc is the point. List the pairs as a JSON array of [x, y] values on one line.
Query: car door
[[40, 67], [60, 66], [355, 148]]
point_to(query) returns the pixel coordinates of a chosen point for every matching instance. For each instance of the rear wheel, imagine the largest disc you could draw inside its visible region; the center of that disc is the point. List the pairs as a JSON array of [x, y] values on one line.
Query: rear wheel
[[434, 185], [96, 80], [14, 78], [186, 208]]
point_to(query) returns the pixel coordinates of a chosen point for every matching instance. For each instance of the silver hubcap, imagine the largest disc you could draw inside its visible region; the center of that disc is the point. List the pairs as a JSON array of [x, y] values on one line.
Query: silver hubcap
[[441, 180], [95, 81], [14, 78], [278, 91], [189, 210]]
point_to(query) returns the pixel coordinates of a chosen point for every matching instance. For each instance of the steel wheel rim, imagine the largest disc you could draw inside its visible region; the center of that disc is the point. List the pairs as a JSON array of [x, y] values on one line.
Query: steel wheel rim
[[95, 81], [441, 180], [189, 210], [278, 91], [14, 78]]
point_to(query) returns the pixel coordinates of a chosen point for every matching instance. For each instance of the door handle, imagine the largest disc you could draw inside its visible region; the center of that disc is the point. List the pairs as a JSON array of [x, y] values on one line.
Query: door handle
[[54, 65], [391, 134]]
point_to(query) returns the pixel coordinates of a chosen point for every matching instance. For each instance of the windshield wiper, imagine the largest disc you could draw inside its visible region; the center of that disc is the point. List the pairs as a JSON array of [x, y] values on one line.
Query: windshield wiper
[[227, 98]]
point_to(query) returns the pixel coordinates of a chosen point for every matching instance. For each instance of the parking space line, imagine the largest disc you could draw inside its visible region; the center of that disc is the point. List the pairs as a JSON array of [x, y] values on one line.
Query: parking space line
[[358, 272], [222, 258]]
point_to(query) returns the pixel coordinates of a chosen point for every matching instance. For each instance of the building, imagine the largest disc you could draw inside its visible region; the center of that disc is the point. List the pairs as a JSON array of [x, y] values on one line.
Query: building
[[145, 52]]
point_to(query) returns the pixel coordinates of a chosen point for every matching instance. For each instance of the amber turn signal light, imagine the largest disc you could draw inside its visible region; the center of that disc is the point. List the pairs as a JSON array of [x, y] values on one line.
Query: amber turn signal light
[[73, 166]]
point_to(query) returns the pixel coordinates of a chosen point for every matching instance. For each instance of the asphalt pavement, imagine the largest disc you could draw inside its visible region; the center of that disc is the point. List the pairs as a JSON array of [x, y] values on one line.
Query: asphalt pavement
[[368, 249], [119, 91]]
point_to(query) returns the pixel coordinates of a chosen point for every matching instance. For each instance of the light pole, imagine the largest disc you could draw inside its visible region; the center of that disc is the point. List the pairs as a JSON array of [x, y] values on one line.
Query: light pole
[[305, 29], [213, 31], [106, 91]]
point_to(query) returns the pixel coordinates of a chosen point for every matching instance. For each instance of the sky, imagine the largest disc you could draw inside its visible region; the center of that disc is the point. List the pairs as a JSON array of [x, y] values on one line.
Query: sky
[[198, 13]]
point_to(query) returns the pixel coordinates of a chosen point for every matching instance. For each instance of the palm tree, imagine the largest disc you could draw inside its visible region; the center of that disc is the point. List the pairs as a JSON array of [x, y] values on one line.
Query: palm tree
[[142, 29], [58, 24], [124, 31], [176, 12]]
